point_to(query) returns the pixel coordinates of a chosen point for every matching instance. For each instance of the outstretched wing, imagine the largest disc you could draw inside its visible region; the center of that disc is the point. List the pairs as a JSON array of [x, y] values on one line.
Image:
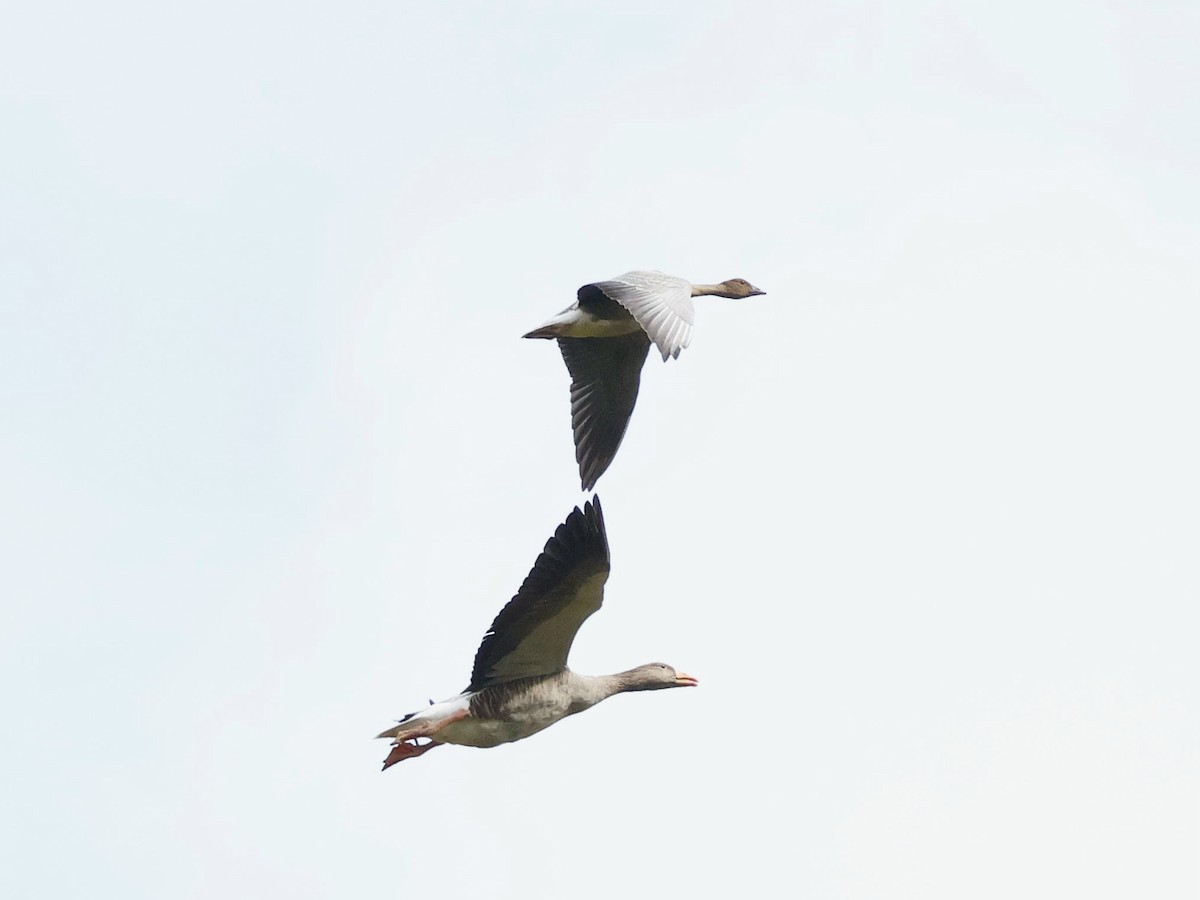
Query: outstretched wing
[[605, 376], [661, 304], [532, 635]]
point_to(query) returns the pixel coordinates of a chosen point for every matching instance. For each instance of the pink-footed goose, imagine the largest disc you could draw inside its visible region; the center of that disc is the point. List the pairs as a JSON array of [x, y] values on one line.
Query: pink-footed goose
[[521, 683], [605, 337]]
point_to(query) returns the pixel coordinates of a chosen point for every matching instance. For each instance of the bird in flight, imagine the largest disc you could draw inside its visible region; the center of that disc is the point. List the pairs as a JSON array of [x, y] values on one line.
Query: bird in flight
[[521, 683], [605, 337]]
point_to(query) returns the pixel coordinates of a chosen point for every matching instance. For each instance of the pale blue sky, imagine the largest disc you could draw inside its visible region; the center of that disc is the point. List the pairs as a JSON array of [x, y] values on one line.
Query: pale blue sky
[[922, 519]]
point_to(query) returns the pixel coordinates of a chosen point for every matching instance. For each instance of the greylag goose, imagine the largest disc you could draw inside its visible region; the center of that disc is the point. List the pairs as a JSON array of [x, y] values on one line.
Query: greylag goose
[[521, 683], [605, 337]]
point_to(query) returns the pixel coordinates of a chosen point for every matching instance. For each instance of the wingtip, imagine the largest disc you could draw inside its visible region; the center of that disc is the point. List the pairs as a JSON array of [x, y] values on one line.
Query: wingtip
[[588, 476], [590, 516], [594, 512]]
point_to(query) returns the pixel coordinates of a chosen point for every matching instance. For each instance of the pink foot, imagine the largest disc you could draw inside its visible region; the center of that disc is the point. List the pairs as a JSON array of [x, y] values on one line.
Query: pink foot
[[403, 750]]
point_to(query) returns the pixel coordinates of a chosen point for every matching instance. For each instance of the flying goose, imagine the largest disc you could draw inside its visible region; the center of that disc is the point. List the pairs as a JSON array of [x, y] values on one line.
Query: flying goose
[[521, 683], [605, 337]]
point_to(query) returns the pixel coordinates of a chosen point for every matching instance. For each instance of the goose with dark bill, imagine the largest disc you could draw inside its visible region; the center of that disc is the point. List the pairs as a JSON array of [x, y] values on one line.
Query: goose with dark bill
[[521, 683], [605, 337]]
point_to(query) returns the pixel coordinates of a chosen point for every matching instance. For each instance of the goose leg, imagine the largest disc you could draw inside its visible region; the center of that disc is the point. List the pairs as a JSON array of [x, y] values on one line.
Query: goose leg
[[403, 750]]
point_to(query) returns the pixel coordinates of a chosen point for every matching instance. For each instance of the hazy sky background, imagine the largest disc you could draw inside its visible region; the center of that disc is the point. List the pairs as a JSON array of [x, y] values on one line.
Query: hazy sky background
[[923, 520]]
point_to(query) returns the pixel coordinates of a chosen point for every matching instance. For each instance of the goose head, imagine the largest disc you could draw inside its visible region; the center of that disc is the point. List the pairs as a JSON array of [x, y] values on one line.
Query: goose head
[[732, 289], [656, 677]]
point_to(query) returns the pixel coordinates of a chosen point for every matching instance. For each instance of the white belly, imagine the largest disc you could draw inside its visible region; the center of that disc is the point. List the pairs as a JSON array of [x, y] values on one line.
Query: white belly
[[574, 322], [472, 732], [483, 733]]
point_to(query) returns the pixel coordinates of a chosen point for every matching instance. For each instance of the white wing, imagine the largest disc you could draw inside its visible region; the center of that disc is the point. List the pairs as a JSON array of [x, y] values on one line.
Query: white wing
[[661, 304]]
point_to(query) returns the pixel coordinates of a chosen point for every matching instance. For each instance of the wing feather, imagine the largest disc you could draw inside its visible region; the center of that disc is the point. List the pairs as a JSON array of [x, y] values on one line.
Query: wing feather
[[661, 304], [605, 376], [533, 634]]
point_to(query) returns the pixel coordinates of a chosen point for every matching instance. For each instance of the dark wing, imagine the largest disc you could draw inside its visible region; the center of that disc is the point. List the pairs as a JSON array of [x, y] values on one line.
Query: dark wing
[[532, 635], [595, 302], [605, 376]]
